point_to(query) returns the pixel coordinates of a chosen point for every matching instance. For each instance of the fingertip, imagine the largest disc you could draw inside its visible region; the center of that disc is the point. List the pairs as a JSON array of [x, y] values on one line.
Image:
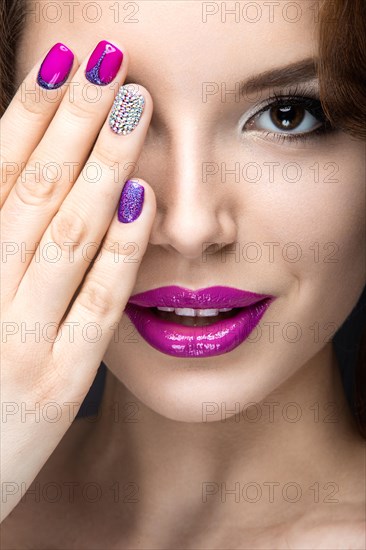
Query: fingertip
[[137, 200]]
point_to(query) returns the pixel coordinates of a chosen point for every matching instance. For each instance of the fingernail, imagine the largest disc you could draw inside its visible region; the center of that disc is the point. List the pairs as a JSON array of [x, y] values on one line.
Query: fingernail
[[131, 201], [55, 67], [103, 64], [126, 111]]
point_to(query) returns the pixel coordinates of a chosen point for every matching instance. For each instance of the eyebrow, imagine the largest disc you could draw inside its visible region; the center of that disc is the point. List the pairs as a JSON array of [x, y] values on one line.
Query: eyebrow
[[301, 71]]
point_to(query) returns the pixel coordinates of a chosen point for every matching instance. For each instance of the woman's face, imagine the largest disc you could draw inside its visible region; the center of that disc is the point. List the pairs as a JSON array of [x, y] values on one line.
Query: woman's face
[[238, 203]]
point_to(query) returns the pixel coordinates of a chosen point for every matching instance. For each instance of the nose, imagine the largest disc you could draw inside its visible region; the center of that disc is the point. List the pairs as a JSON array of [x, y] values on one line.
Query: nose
[[193, 216]]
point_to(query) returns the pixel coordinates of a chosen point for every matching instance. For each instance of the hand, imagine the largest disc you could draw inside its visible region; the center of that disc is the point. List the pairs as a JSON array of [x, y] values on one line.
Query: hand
[[59, 190]]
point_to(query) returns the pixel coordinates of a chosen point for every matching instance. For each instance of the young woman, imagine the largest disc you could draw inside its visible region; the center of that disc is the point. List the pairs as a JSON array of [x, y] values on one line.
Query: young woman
[[211, 286]]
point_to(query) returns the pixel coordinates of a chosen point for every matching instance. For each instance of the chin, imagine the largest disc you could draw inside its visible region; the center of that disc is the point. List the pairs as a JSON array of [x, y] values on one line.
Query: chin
[[202, 390]]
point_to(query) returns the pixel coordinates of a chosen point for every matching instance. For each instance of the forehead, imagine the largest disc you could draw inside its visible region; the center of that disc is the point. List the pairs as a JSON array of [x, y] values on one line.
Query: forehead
[[175, 43]]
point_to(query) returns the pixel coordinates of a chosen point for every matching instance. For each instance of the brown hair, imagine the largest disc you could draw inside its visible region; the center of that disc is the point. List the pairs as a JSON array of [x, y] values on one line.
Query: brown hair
[[342, 77], [342, 80], [342, 66], [12, 18]]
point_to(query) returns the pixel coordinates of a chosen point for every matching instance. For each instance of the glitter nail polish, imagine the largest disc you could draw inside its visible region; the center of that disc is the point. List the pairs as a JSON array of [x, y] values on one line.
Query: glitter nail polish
[[131, 201], [103, 64], [126, 111], [55, 67]]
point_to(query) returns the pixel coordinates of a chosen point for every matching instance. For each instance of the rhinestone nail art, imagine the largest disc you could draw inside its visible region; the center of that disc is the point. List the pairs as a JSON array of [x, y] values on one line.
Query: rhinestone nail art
[[126, 111]]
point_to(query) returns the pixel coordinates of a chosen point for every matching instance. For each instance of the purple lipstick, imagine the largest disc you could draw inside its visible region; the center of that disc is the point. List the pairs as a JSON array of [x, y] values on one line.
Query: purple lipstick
[[196, 323]]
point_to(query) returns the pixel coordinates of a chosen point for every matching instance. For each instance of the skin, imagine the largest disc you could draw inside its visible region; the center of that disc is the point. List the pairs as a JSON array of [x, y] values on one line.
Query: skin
[[151, 430]]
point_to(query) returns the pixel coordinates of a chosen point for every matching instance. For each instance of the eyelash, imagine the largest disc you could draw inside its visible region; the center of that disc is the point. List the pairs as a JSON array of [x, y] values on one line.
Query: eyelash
[[310, 104]]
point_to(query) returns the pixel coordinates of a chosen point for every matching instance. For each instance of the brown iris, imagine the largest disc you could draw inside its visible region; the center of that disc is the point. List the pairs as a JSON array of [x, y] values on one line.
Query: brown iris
[[287, 117]]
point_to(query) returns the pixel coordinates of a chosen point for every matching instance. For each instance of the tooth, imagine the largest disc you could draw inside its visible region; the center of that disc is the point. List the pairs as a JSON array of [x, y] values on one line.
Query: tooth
[[190, 312], [207, 312], [185, 311], [223, 309]]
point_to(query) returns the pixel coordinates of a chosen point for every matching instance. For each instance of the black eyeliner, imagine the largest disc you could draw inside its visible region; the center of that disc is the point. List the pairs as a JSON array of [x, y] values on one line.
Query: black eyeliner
[[300, 95]]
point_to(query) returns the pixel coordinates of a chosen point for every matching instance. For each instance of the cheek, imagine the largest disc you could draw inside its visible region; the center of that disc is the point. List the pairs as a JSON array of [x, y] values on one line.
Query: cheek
[[310, 204]]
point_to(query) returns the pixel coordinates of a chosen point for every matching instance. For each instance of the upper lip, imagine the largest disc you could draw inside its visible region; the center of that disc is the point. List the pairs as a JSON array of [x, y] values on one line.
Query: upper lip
[[214, 297]]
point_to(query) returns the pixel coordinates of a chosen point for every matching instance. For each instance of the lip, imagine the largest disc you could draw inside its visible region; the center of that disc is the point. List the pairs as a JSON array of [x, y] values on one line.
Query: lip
[[197, 341]]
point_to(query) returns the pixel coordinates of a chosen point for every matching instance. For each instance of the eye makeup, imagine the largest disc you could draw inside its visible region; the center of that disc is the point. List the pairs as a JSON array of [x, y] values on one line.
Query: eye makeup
[[301, 97]]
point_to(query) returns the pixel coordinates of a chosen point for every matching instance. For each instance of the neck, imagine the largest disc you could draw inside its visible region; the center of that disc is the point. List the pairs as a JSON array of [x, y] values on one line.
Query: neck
[[299, 435]]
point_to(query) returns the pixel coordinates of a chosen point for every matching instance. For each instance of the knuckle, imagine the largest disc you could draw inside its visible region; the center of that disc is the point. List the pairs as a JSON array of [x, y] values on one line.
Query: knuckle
[[119, 252], [36, 184], [48, 387], [96, 299], [104, 157], [8, 167], [29, 102], [36, 377], [79, 110], [52, 388], [66, 228]]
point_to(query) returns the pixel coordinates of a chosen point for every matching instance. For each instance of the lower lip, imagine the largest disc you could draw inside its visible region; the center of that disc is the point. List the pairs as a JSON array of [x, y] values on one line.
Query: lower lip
[[200, 341]]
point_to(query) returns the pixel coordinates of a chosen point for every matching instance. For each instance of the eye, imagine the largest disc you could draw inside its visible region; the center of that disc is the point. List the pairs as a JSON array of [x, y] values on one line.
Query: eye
[[290, 118]]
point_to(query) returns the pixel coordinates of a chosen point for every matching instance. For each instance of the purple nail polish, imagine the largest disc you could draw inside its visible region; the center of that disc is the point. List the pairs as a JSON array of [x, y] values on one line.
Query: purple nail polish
[[55, 67], [103, 64], [131, 201]]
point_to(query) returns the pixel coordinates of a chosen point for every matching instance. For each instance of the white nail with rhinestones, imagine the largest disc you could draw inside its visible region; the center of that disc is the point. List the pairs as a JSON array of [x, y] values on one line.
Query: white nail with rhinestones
[[126, 111]]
